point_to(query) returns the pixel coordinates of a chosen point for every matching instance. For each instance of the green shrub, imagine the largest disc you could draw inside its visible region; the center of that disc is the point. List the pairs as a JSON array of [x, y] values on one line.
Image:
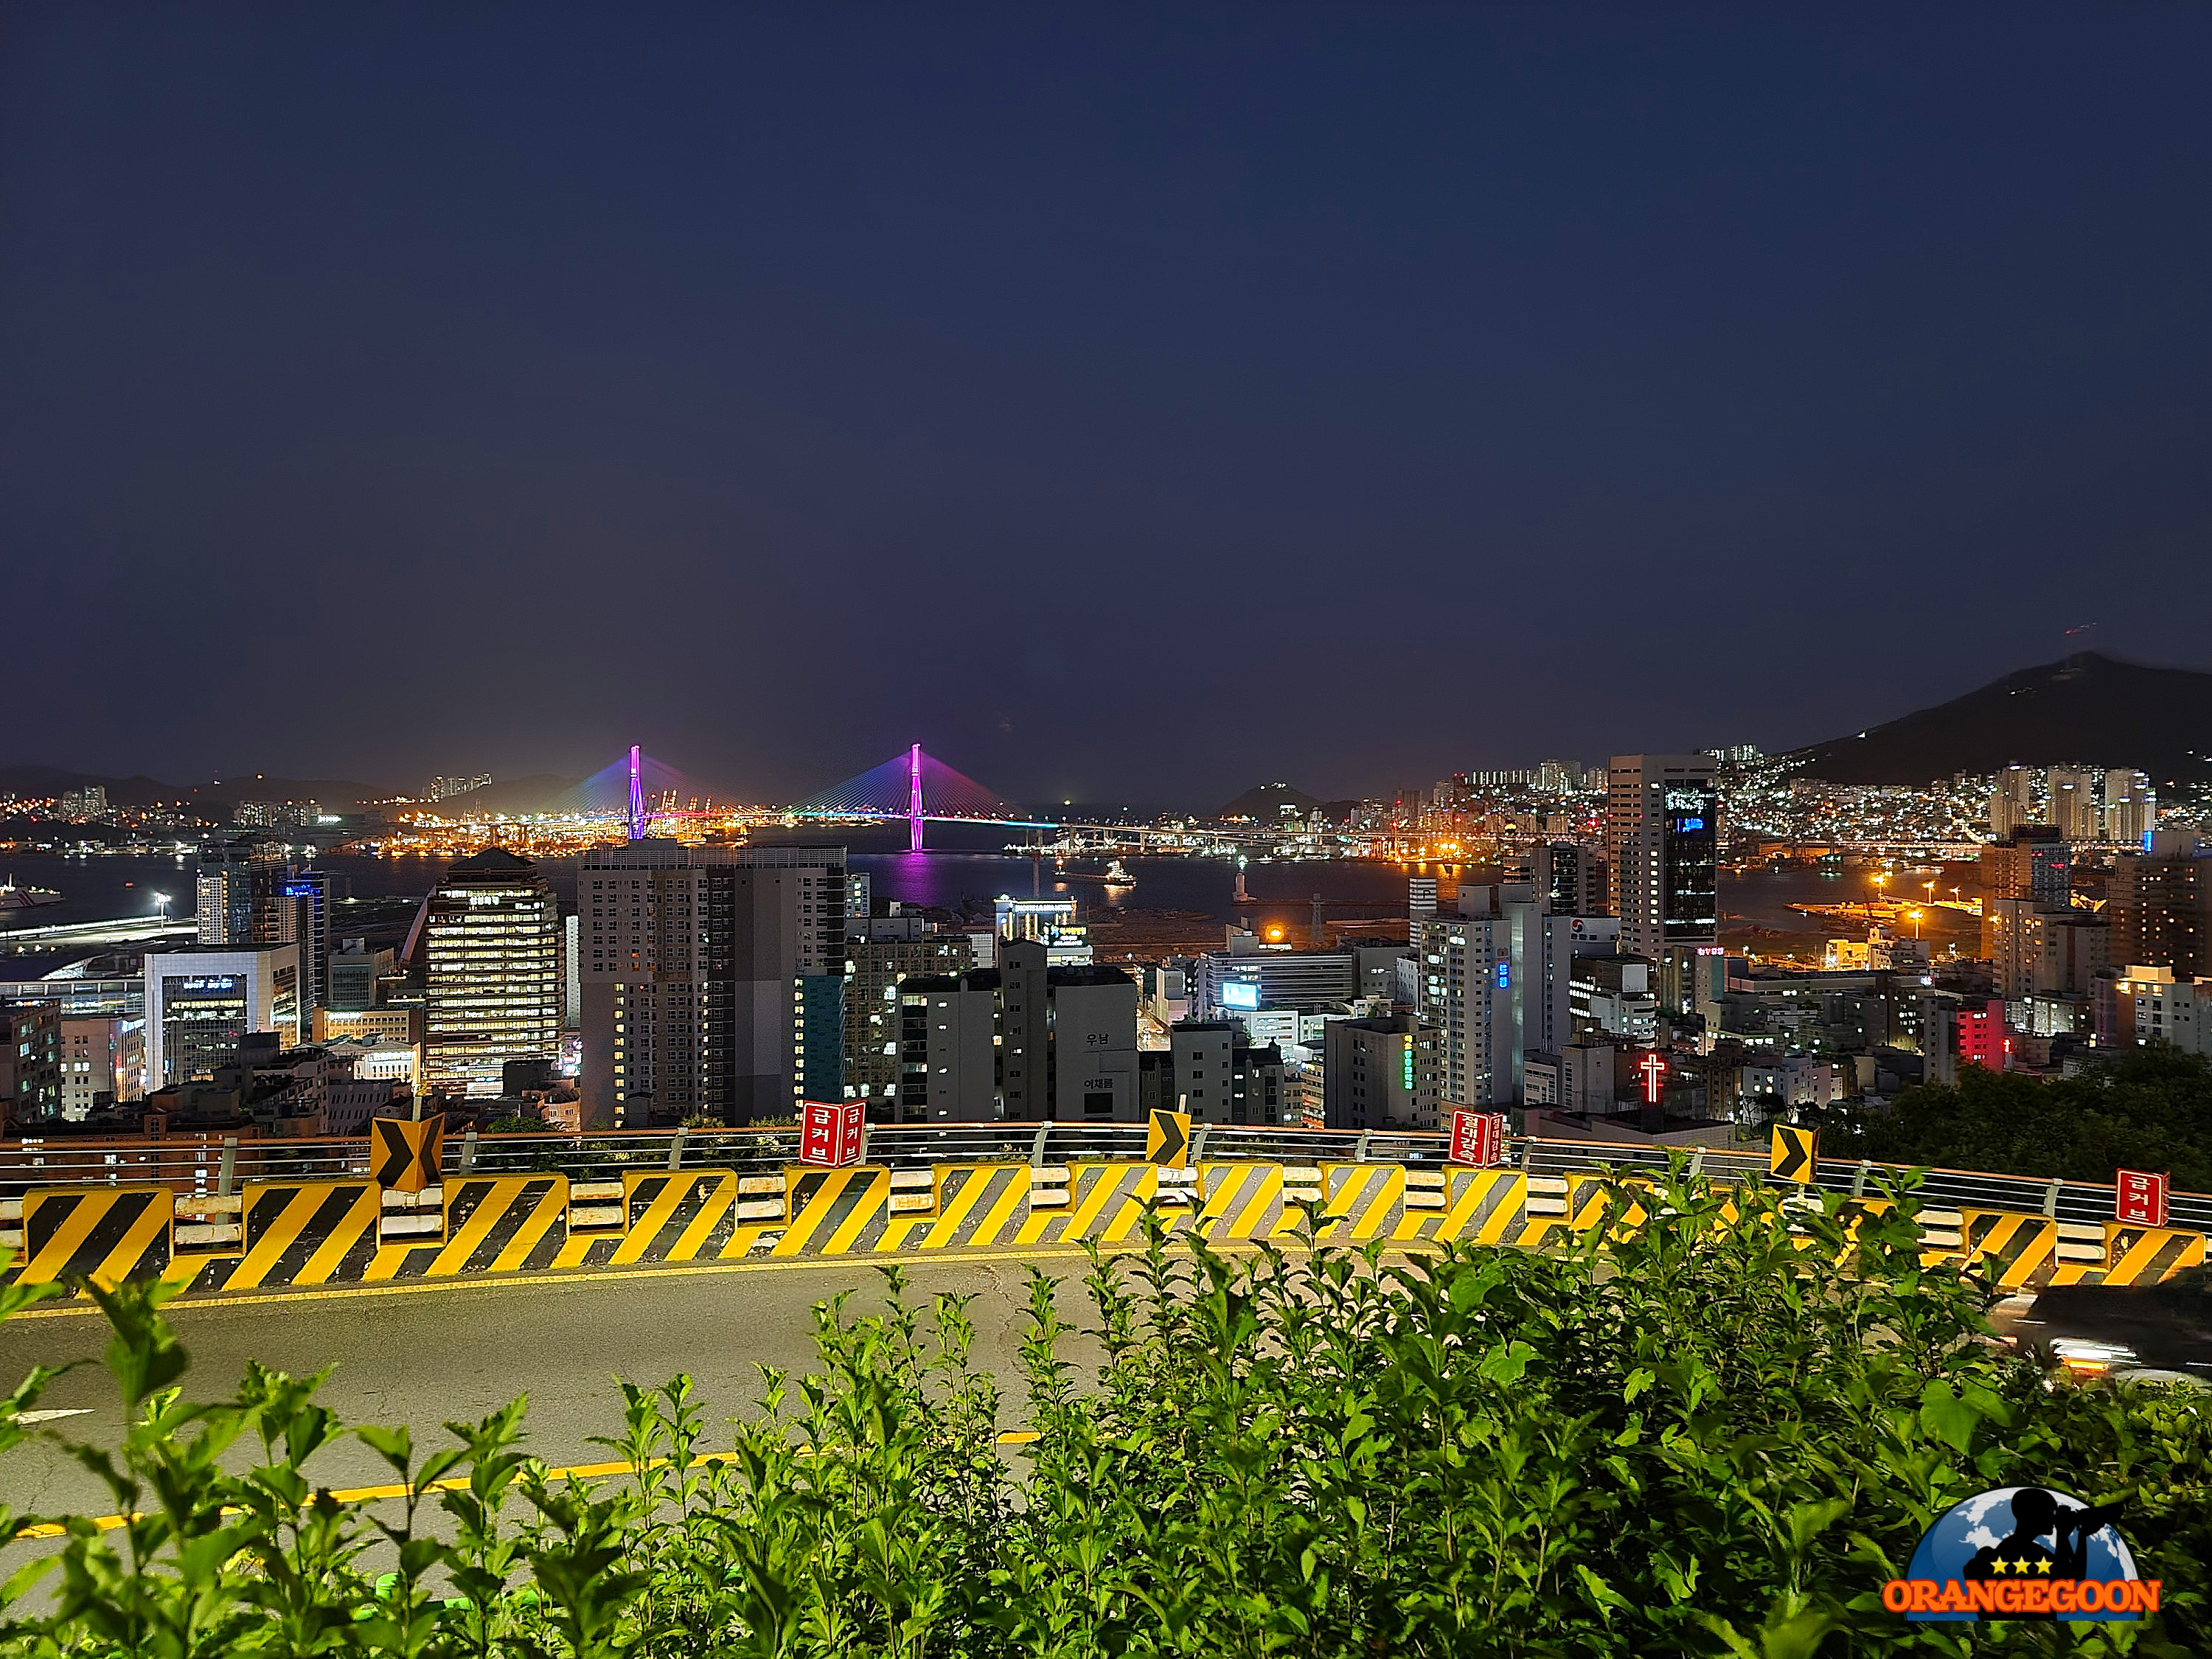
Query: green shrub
[[2140, 1108], [1702, 1437]]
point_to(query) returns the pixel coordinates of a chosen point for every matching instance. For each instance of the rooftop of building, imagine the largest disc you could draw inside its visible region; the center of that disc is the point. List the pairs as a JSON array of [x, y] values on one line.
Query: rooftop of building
[[495, 862]]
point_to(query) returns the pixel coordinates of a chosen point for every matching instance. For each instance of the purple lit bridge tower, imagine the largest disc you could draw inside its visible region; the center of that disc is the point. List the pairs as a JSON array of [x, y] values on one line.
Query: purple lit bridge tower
[[921, 789]]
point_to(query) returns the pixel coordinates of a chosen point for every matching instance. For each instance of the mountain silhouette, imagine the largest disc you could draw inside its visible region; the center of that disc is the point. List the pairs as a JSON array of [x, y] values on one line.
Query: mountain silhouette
[[2088, 709]]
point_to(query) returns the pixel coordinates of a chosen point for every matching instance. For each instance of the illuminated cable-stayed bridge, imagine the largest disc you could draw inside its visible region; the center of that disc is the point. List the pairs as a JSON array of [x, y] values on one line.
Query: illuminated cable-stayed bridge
[[913, 787], [921, 789]]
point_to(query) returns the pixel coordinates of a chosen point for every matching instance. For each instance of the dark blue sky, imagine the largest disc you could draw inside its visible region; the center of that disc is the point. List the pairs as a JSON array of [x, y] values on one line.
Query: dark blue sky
[[1134, 403]]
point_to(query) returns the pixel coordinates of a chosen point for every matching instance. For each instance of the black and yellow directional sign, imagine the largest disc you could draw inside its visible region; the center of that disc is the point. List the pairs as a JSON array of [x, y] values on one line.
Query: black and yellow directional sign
[[1794, 1154], [405, 1155], [1167, 1140]]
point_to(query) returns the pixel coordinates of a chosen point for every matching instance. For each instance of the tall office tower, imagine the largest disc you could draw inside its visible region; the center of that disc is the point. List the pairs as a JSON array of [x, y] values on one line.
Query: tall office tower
[[694, 1002], [201, 1002], [2131, 806], [1420, 901], [237, 885], [2034, 863], [491, 951], [1570, 879], [2162, 906], [858, 900], [302, 917], [1662, 841], [2074, 806], [1380, 1074], [2012, 801], [878, 960]]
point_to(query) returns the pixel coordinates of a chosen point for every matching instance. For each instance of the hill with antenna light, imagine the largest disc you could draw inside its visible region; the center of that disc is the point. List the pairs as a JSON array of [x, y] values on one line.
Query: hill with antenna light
[[2087, 709]]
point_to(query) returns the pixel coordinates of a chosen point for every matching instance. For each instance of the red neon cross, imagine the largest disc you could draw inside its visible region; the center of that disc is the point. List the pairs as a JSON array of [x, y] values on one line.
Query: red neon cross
[[1653, 1068]]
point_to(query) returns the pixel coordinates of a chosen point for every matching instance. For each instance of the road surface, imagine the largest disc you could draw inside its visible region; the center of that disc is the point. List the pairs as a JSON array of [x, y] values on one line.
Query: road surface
[[423, 1355]]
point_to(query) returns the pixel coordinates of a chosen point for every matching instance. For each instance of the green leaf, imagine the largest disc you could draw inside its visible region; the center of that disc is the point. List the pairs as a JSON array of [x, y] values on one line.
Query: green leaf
[[1948, 1417], [1507, 1361]]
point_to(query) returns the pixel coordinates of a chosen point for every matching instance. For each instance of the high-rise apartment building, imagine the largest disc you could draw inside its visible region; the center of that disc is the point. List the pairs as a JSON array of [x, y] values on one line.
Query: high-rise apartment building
[[693, 997], [1212, 1070], [2162, 906], [103, 1059], [877, 962], [491, 954], [2034, 862], [30, 1063], [948, 1056], [1662, 843], [1468, 994], [2163, 1006], [824, 893], [2074, 809], [2013, 800], [1024, 1042], [2038, 949], [1420, 901], [2131, 806]]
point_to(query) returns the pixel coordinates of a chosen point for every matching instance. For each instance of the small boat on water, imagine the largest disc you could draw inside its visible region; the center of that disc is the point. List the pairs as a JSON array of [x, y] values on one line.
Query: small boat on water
[[1117, 875], [13, 898]]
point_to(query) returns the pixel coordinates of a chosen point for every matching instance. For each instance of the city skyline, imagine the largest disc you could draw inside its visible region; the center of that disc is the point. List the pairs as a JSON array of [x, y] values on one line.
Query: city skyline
[[781, 388], [2074, 707]]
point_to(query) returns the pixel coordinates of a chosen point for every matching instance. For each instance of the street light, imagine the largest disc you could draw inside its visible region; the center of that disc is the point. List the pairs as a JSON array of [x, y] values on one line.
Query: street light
[[161, 906]]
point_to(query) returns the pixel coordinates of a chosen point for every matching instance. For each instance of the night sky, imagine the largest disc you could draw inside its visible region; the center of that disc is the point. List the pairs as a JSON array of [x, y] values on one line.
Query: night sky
[[1131, 402]]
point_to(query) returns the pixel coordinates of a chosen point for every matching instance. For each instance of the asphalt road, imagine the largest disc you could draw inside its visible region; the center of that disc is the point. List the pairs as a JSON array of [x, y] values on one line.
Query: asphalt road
[[424, 1356]]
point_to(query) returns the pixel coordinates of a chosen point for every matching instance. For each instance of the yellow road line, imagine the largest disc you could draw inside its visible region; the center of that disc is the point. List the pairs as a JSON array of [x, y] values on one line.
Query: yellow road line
[[459, 1483]]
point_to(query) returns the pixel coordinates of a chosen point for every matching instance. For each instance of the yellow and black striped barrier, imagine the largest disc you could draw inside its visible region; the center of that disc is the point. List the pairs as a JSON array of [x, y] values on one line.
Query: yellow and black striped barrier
[[308, 1233], [105, 1234]]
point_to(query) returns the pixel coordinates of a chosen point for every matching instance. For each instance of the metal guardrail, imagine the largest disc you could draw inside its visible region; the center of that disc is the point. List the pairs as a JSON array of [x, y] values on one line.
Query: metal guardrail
[[205, 1165]]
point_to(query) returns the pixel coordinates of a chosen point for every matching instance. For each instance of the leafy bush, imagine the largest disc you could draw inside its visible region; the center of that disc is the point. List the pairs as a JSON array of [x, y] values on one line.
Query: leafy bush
[[1701, 1438], [2145, 1109]]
